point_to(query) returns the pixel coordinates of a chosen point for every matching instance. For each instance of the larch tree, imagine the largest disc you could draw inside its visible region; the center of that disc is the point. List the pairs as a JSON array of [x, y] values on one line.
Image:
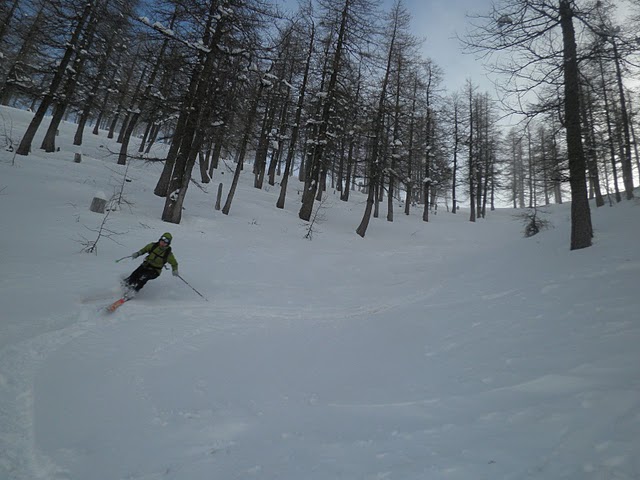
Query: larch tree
[[307, 55], [73, 77], [542, 36], [346, 23], [80, 24], [7, 16], [21, 45], [398, 42], [432, 79], [139, 103], [231, 32]]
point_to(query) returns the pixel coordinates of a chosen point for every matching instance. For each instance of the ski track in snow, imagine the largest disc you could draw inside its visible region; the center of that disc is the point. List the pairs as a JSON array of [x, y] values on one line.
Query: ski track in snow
[[21, 361], [197, 320]]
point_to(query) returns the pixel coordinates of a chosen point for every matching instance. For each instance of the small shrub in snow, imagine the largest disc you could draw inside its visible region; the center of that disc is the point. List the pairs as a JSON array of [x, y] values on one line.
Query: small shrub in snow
[[533, 222]]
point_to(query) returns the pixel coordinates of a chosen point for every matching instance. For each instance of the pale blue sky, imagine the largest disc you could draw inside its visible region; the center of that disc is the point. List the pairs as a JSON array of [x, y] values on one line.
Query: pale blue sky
[[438, 21]]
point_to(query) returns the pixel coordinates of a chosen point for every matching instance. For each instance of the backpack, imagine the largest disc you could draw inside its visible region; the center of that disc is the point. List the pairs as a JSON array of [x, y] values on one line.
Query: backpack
[[164, 256]]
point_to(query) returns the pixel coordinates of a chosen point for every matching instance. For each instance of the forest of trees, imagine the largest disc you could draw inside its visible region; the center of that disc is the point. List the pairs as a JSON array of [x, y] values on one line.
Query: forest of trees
[[340, 95]]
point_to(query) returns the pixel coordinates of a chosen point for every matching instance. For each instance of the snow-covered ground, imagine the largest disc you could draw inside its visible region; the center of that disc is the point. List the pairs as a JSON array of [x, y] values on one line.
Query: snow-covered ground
[[440, 350]]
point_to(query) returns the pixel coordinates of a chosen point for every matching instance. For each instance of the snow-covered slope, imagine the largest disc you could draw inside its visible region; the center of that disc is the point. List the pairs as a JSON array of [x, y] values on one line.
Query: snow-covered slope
[[440, 350]]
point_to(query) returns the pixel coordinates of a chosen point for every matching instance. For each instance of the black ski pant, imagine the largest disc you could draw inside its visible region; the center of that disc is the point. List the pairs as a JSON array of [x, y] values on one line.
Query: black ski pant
[[140, 276]]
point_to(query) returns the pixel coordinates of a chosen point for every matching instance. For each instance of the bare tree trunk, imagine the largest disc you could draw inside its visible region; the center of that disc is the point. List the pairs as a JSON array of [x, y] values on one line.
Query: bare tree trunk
[[188, 151], [313, 177], [377, 187], [472, 159], [344, 195], [426, 181], [243, 149], [121, 100], [590, 144], [25, 144], [198, 108], [142, 101], [260, 161], [84, 117], [364, 223], [4, 25], [377, 176], [214, 151], [612, 151], [634, 140], [204, 166], [49, 142], [394, 147], [30, 42], [276, 155], [162, 186], [581, 228], [487, 178], [179, 183], [190, 105], [411, 147], [153, 136], [627, 173], [454, 174], [145, 136], [103, 106], [339, 181]]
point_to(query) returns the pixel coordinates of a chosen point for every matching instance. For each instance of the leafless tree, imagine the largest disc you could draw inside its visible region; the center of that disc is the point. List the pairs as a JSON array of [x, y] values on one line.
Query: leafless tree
[[72, 47], [295, 130], [346, 24], [542, 37]]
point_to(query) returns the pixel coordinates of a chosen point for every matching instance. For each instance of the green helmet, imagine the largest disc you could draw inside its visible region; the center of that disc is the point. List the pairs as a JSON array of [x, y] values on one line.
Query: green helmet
[[166, 237]]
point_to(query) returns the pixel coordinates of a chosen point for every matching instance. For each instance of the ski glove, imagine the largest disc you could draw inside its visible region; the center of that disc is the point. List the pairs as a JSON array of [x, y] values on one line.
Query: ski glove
[[175, 273], [135, 255]]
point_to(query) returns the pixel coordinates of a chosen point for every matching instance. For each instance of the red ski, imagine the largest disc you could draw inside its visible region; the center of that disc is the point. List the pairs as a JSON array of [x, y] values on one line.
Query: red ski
[[113, 307]]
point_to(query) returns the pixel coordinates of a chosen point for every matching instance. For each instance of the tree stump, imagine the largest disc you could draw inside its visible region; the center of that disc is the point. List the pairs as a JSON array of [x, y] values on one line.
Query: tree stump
[[77, 157], [219, 198], [98, 204]]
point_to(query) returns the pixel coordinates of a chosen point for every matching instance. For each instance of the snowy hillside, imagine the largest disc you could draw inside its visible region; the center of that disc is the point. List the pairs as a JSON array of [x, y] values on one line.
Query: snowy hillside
[[440, 350]]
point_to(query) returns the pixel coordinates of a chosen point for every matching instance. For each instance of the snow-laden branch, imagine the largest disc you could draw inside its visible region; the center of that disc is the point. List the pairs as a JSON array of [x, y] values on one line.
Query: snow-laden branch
[[158, 27]]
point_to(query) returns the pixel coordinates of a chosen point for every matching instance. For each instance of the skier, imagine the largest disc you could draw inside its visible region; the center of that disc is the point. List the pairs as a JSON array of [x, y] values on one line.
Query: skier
[[159, 253]]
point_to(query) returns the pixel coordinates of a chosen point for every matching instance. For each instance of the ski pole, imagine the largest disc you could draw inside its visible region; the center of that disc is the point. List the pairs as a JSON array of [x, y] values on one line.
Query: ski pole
[[187, 283], [120, 259]]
